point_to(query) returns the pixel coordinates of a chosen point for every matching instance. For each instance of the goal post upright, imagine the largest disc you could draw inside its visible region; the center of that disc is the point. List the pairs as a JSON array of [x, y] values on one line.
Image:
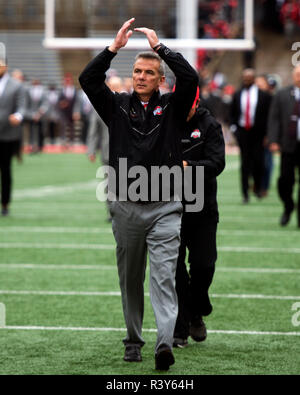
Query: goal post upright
[[186, 33]]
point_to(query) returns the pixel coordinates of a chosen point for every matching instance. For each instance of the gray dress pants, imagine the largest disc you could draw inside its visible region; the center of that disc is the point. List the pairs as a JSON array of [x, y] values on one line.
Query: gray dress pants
[[138, 229]]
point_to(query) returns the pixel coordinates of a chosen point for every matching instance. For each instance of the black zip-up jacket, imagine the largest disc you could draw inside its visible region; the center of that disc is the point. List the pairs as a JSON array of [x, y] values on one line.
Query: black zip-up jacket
[[203, 145], [146, 138]]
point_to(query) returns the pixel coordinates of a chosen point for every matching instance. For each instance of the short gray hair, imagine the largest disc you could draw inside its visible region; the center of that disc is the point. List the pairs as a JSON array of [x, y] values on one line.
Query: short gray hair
[[154, 56]]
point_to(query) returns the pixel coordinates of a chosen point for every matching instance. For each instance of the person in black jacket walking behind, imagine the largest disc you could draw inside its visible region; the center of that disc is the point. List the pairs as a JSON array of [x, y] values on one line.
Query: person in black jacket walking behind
[[284, 137], [144, 130], [202, 145]]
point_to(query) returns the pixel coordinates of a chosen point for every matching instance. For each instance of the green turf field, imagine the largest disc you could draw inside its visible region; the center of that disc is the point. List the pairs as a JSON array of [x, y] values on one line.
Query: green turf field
[[58, 281]]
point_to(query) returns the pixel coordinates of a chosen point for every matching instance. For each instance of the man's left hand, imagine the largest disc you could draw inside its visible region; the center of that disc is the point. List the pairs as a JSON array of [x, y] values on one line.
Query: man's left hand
[[150, 34]]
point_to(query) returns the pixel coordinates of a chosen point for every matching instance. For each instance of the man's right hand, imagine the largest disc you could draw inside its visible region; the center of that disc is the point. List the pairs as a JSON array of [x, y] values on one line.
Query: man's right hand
[[122, 37], [14, 120]]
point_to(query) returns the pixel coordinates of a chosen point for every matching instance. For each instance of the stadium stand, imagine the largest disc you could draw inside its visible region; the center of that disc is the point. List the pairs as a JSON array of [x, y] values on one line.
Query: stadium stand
[[25, 51]]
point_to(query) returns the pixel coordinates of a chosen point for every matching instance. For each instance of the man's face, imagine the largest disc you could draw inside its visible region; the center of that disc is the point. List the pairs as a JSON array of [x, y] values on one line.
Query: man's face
[[248, 79], [193, 110], [68, 81], [296, 76], [146, 77]]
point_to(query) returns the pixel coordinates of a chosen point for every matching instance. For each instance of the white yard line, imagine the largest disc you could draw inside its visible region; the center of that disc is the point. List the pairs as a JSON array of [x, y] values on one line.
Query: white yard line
[[150, 330], [241, 249], [118, 293], [53, 229], [269, 233], [56, 214], [52, 190], [91, 230], [41, 266], [255, 296], [257, 270], [58, 246], [61, 293], [253, 220], [232, 207], [246, 249]]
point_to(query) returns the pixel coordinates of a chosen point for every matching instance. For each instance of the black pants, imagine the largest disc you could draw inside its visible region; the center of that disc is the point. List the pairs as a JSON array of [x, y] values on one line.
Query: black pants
[[290, 162], [36, 134], [192, 286], [252, 159], [7, 151]]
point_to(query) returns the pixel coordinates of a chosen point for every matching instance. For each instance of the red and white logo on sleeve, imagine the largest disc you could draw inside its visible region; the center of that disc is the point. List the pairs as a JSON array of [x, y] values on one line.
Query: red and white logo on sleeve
[[158, 111], [196, 134]]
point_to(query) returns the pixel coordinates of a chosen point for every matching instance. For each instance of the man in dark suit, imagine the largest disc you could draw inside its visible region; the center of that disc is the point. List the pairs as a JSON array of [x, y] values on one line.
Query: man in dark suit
[[12, 111], [67, 100], [35, 98], [284, 136], [249, 115]]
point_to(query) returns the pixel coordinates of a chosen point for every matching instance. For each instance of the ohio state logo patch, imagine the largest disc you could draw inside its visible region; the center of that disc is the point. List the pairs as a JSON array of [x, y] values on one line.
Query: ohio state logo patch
[[196, 134], [158, 110]]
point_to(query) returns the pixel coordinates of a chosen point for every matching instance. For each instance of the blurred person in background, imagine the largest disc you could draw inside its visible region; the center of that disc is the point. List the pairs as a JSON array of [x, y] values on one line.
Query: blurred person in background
[[284, 137], [202, 145], [98, 132], [115, 84], [290, 18], [127, 84], [12, 112], [35, 97], [249, 115], [18, 75], [67, 100], [98, 137], [52, 114], [82, 112], [262, 82]]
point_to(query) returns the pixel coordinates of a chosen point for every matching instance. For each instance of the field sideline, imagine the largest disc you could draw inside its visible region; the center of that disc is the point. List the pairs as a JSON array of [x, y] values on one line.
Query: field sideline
[[59, 284]]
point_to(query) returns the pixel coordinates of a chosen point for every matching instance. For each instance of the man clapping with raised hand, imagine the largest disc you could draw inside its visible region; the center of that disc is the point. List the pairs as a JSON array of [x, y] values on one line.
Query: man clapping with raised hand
[[144, 129]]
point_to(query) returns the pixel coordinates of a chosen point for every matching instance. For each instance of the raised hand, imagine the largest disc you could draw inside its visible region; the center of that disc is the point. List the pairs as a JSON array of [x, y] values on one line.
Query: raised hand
[[122, 37], [150, 34]]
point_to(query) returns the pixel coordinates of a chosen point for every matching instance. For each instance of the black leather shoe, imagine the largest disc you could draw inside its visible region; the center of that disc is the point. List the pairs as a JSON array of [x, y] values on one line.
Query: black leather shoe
[[4, 212], [164, 358], [133, 353], [198, 330], [285, 218], [245, 200]]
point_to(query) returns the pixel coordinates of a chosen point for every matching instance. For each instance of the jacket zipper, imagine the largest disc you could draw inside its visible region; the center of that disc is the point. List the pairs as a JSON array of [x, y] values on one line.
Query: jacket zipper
[[138, 131], [194, 146]]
